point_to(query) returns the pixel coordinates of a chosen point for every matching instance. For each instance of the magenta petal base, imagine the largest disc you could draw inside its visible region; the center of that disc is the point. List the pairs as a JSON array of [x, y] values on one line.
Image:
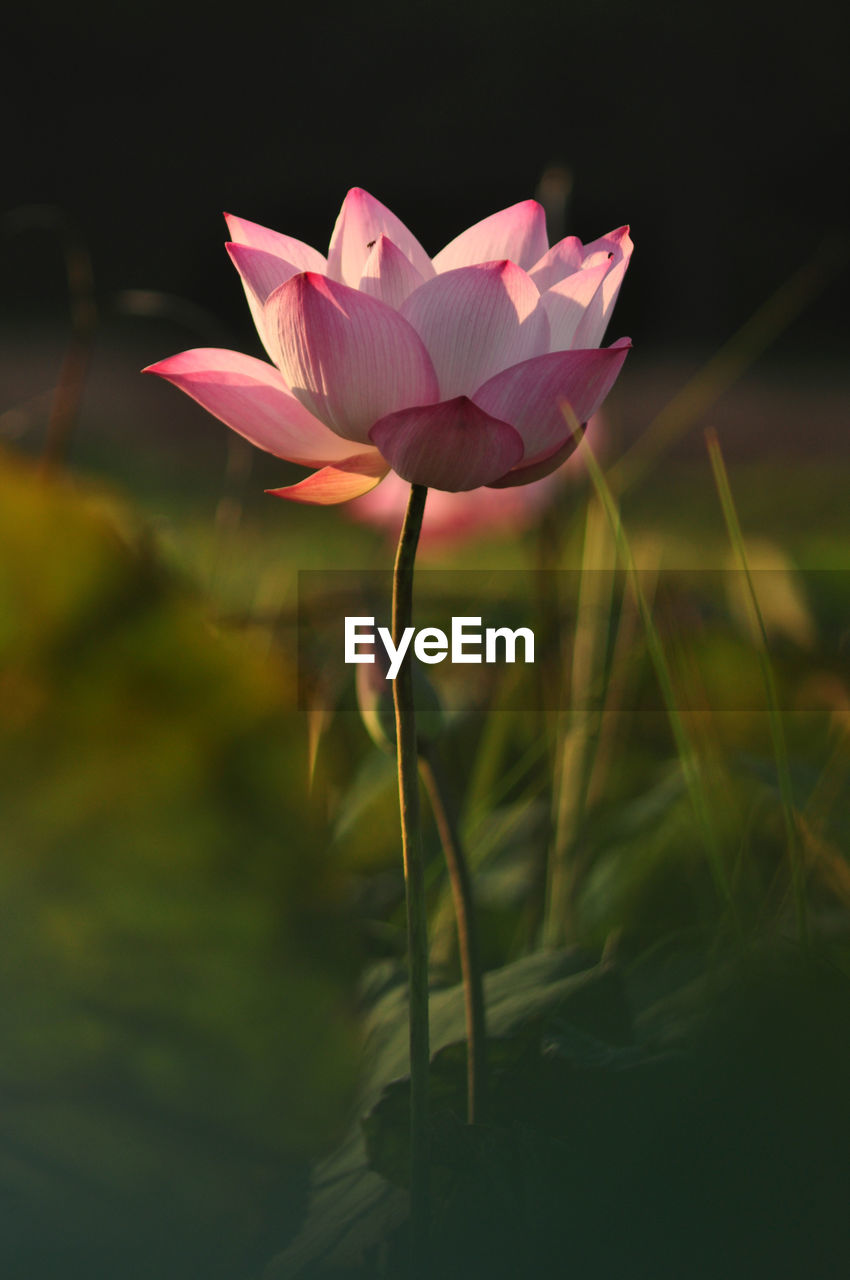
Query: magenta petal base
[[453, 445]]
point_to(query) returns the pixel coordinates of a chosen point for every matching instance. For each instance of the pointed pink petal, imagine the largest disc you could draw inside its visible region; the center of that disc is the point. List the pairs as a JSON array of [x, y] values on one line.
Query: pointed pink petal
[[361, 220], [302, 256], [531, 395], [562, 260], [567, 301], [476, 321], [261, 273], [596, 258], [388, 275], [517, 233], [347, 357], [592, 328], [539, 470], [617, 242], [453, 445], [350, 479], [251, 397]]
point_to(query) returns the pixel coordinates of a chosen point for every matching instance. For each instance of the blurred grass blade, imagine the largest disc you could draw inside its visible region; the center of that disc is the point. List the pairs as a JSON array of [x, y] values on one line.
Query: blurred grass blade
[[578, 728], [495, 775], [616, 691], [318, 719], [68, 395], [684, 746], [777, 732]]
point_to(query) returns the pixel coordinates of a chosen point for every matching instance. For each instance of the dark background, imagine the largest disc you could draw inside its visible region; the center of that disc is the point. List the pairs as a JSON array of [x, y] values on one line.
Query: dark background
[[719, 132]]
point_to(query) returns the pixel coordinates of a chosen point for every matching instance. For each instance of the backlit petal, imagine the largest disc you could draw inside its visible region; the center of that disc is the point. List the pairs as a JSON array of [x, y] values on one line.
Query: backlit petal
[[561, 260], [251, 397], [388, 274], [592, 328], [332, 485], [453, 445], [618, 242], [531, 395], [567, 301], [517, 233], [361, 220], [302, 256], [347, 357], [261, 273], [477, 320]]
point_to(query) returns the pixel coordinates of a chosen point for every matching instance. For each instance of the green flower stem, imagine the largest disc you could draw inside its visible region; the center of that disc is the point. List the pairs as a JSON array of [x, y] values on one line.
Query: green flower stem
[[467, 937], [417, 919]]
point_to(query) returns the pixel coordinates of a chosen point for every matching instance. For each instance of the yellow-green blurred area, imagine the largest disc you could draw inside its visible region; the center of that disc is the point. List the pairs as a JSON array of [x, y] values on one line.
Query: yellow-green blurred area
[[176, 1035], [194, 872]]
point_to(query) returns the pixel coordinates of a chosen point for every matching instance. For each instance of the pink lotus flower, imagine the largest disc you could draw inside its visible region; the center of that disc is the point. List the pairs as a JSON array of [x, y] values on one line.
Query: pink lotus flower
[[453, 372]]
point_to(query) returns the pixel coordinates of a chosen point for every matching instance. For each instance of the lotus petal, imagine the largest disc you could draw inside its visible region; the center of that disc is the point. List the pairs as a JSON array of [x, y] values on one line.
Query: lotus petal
[[454, 445], [349, 479], [592, 328], [261, 272], [618, 242], [388, 274], [517, 233], [251, 397], [531, 395], [361, 220], [302, 256], [539, 470], [561, 260], [567, 301], [477, 320], [347, 357]]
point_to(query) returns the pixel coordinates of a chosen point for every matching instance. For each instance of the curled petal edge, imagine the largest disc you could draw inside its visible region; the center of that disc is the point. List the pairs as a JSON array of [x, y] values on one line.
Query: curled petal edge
[[340, 483], [539, 470]]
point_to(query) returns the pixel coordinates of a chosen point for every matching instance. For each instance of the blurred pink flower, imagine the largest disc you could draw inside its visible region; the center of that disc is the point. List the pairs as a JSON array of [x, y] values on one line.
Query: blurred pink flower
[[452, 372]]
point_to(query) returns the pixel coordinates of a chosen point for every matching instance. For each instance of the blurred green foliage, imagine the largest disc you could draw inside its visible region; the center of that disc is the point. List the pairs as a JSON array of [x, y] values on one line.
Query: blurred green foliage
[[653, 1119], [176, 1033]]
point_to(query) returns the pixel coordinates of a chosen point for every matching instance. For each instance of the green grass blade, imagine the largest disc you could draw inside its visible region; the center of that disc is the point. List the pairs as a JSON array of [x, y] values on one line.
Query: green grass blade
[[777, 732], [578, 727], [687, 753]]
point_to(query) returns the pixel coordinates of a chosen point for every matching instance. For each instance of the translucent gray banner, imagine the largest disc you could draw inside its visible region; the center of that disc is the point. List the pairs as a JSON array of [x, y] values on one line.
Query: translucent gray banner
[[510, 639]]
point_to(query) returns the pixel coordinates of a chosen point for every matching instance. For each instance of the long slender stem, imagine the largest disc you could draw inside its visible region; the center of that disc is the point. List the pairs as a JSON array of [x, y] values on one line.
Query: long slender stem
[[417, 920], [467, 937]]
